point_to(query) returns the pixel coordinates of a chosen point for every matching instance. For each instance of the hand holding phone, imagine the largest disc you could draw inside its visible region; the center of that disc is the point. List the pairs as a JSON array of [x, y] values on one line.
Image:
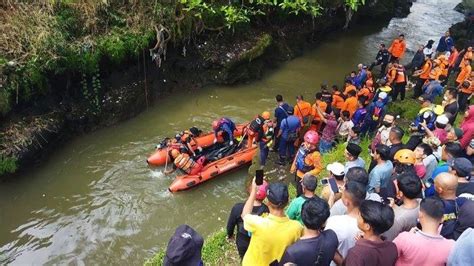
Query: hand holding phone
[[259, 177]]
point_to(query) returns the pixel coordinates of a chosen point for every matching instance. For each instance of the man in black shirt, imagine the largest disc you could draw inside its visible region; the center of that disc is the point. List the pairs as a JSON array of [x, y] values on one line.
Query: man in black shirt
[[243, 239], [315, 247], [450, 104], [395, 136], [381, 59]]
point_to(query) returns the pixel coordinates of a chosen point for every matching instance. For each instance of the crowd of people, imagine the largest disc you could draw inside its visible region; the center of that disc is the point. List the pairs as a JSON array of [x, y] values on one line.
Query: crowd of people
[[412, 203]]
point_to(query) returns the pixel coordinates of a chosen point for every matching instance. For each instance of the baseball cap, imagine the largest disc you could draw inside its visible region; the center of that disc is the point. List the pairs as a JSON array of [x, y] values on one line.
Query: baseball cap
[[442, 119], [290, 110], [310, 182], [462, 166], [262, 191], [184, 247], [383, 95], [277, 194], [336, 168], [458, 132]]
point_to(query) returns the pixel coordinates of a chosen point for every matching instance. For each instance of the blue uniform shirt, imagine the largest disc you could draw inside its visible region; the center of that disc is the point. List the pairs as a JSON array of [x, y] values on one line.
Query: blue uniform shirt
[[281, 113], [289, 124]]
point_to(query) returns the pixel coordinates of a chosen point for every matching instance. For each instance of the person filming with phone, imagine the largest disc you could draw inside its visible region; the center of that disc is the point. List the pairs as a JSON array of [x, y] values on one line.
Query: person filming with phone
[[272, 234], [334, 184]]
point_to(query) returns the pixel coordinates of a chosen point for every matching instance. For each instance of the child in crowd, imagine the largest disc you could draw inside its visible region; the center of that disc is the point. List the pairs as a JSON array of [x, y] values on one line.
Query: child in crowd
[[354, 135], [344, 126]]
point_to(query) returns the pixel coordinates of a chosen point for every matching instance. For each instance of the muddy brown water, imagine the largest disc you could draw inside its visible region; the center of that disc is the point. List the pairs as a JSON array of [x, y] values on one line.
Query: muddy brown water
[[95, 201]]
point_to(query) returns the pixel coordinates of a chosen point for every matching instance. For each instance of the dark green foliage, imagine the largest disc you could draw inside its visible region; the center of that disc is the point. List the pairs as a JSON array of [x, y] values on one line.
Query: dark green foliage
[[7, 165]]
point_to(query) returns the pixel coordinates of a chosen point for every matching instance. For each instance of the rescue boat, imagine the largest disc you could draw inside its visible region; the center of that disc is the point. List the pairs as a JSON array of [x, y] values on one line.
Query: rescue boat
[[160, 155], [214, 169]]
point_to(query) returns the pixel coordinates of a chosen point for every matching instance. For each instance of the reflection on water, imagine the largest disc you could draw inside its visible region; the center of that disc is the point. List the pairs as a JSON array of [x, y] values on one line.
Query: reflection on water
[[95, 201]]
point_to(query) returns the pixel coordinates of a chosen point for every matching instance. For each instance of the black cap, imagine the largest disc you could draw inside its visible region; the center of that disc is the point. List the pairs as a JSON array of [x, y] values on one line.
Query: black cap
[[184, 247], [354, 149], [277, 194], [462, 166], [290, 110]]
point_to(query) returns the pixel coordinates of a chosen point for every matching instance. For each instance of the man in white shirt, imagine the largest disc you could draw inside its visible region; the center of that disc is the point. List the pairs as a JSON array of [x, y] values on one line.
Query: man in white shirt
[[345, 226]]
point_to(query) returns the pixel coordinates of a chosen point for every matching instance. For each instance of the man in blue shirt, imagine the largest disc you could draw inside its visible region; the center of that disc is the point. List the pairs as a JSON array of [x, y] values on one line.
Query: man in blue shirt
[[433, 89], [280, 114], [227, 127], [288, 134], [445, 43], [361, 76], [380, 175]]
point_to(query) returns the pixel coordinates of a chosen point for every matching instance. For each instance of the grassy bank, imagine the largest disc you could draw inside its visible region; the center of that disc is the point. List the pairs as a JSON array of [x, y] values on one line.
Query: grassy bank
[[217, 250]]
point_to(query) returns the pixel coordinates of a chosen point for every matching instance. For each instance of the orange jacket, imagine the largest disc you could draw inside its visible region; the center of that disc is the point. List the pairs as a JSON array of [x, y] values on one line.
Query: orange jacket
[[349, 88], [303, 109], [397, 48], [464, 74], [364, 92], [314, 160], [337, 100], [350, 105], [391, 75], [469, 90], [435, 73], [425, 71], [322, 105], [452, 58], [400, 75], [444, 69]]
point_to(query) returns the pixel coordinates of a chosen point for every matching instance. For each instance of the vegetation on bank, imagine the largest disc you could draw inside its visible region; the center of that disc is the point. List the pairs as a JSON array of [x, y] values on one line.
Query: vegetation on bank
[[71, 41], [217, 250]]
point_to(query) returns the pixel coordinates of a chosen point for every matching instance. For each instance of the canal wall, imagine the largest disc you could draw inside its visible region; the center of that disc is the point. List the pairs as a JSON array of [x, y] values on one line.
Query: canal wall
[[122, 89]]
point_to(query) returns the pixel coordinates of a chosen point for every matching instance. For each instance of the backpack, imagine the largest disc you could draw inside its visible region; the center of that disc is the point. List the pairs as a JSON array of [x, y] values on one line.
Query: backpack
[[292, 136], [450, 220], [377, 112]]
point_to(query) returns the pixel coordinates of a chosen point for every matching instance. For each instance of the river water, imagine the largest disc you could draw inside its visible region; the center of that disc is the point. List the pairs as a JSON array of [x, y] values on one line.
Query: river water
[[95, 201]]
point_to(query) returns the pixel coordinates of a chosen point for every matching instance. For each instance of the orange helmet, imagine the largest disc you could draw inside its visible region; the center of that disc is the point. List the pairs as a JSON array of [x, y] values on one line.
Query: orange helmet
[[405, 156], [266, 115]]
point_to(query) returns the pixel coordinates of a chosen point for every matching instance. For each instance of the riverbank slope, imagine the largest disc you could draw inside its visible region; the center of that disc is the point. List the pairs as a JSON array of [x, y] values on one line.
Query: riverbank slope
[[95, 77]]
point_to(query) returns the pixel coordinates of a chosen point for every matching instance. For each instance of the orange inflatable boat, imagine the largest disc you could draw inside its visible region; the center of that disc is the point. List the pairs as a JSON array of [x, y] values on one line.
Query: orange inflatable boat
[[160, 155], [214, 169]]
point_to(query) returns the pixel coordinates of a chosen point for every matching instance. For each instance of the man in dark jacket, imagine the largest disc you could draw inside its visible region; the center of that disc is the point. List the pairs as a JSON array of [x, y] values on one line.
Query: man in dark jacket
[[242, 238], [445, 43], [418, 60], [381, 59]]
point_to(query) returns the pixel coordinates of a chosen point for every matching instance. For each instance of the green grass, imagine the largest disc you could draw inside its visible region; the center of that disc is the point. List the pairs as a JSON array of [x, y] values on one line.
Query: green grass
[[217, 250], [7, 165]]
